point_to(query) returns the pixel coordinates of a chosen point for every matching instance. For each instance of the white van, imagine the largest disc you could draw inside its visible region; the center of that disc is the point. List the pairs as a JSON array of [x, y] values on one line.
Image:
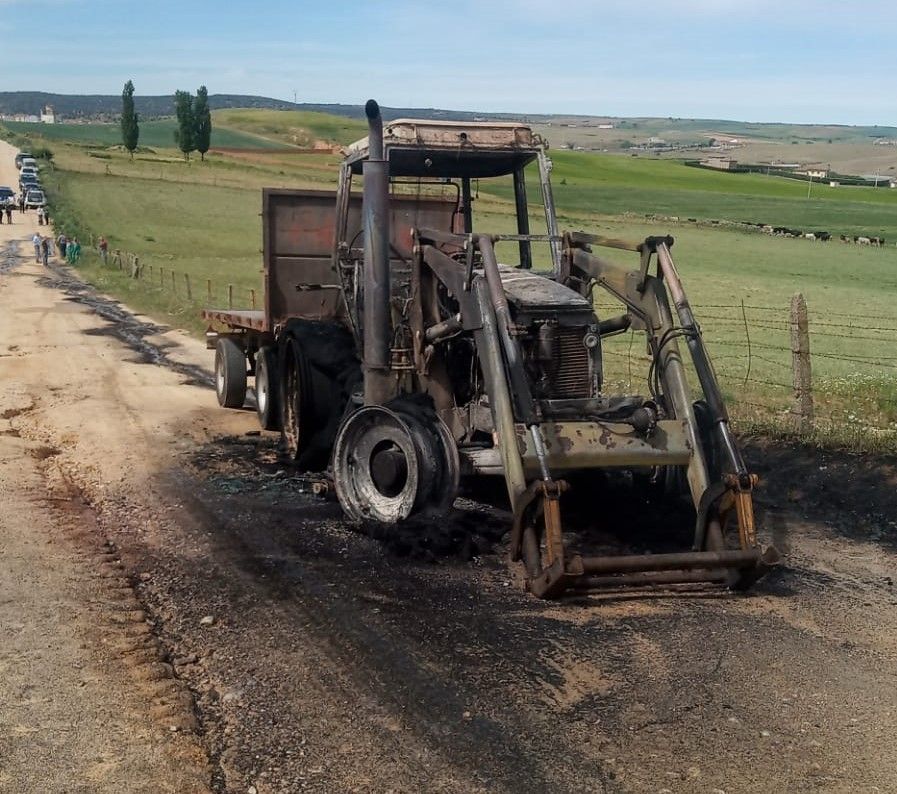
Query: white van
[[28, 162]]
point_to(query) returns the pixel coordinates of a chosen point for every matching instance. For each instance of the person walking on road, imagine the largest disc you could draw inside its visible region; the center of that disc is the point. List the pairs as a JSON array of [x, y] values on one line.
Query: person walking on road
[[61, 243], [40, 216], [45, 250], [103, 246], [22, 201], [9, 212], [36, 242]]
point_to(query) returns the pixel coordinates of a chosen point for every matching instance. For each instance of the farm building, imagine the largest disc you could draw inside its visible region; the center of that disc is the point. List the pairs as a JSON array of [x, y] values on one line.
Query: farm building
[[722, 163]]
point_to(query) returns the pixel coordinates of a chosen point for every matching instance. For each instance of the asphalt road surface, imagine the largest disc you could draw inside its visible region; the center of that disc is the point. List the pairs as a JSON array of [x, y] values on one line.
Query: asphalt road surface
[[178, 612]]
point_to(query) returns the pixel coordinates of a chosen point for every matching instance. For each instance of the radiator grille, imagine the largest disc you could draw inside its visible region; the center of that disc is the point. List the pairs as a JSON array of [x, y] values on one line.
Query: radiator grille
[[572, 380]]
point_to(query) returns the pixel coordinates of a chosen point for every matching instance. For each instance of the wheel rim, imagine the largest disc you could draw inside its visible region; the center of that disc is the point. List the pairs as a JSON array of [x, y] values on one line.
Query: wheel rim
[[376, 466], [391, 464], [220, 377], [261, 386]]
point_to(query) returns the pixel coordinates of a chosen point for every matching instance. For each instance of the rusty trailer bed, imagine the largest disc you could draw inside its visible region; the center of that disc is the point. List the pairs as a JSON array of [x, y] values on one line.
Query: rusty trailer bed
[[250, 319]]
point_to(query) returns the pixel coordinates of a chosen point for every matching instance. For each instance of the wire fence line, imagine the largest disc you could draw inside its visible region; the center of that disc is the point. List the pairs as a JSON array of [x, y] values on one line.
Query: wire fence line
[[842, 375], [181, 284], [844, 372]]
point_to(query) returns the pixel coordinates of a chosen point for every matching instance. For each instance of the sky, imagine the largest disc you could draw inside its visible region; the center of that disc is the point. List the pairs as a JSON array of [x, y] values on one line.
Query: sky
[[794, 61]]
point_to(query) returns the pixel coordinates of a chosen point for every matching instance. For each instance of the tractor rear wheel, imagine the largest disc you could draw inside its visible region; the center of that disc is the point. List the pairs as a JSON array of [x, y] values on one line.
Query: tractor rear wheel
[[295, 398]]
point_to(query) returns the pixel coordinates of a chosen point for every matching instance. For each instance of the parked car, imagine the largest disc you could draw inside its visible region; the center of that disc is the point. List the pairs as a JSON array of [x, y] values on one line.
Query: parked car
[[35, 199], [21, 156], [28, 162], [6, 194], [28, 170], [29, 183]]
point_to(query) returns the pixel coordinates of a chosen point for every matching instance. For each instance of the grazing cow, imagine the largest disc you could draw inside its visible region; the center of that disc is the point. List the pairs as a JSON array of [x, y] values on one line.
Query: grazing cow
[[809, 236], [845, 239], [862, 241], [823, 237], [878, 242]]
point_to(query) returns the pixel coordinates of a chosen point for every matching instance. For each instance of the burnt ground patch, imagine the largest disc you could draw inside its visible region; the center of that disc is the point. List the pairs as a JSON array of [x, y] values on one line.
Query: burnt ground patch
[[123, 326], [9, 256], [854, 494], [468, 672]]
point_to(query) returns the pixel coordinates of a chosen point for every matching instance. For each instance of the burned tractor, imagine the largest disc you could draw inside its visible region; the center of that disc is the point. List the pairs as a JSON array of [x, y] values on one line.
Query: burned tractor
[[399, 351]]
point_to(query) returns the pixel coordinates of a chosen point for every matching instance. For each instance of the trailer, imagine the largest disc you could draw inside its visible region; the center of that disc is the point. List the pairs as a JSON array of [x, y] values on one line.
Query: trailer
[[402, 348]]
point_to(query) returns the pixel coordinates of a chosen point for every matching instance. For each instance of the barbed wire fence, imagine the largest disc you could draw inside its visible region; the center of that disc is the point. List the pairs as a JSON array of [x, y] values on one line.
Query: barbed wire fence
[[200, 292], [785, 367]]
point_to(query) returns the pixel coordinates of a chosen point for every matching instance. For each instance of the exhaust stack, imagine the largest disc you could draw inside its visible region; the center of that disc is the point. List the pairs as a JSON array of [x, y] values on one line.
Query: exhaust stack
[[379, 384]]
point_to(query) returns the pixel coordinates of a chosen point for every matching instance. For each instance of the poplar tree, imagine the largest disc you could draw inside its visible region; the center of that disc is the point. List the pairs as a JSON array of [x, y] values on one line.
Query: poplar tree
[[185, 133], [130, 132], [202, 120]]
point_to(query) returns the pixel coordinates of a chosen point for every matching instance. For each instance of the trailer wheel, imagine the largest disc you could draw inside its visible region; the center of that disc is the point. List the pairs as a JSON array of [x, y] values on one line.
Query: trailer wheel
[[267, 389], [230, 373]]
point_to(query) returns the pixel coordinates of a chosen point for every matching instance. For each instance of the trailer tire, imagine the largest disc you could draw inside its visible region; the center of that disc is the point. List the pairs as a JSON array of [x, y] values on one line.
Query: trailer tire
[[230, 373], [267, 389]]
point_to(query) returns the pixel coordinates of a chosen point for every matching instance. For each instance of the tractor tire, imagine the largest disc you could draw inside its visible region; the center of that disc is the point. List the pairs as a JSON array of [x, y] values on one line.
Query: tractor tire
[[319, 374], [267, 389], [296, 405], [230, 373]]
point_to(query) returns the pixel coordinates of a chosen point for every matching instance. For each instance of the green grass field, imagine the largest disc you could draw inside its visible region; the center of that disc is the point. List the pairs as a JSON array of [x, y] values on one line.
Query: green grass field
[[300, 128], [154, 134], [202, 219], [618, 185]]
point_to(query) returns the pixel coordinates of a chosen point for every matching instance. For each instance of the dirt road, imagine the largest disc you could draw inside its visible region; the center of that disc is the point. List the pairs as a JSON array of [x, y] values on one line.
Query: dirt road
[[178, 611]]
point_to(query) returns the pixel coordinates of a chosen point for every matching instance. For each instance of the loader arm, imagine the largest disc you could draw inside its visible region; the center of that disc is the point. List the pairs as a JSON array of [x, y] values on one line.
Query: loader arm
[[537, 447]]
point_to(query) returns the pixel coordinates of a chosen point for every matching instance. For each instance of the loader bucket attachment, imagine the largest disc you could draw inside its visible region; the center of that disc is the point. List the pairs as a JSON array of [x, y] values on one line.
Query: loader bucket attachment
[[536, 539]]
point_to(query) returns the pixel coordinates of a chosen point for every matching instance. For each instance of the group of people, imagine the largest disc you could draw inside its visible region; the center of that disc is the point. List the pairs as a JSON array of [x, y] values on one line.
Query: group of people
[[43, 247], [6, 208], [69, 249]]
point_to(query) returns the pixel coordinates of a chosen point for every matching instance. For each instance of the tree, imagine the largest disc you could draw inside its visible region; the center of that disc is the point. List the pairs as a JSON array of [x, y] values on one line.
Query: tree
[[184, 135], [130, 131], [202, 121]]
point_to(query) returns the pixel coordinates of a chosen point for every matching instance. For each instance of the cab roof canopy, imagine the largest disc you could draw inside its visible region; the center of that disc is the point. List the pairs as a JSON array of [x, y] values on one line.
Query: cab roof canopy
[[446, 149]]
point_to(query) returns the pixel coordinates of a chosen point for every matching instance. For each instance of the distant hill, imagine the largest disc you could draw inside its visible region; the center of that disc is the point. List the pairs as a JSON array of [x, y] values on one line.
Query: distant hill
[[98, 106], [104, 107], [574, 127]]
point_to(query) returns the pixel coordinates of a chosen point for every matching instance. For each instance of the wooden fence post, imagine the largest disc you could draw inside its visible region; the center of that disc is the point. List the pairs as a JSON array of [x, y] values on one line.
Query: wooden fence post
[[209, 290], [174, 286], [187, 286], [230, 296], [802, 408], [162, 277], [252, 298], [135, 267]]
